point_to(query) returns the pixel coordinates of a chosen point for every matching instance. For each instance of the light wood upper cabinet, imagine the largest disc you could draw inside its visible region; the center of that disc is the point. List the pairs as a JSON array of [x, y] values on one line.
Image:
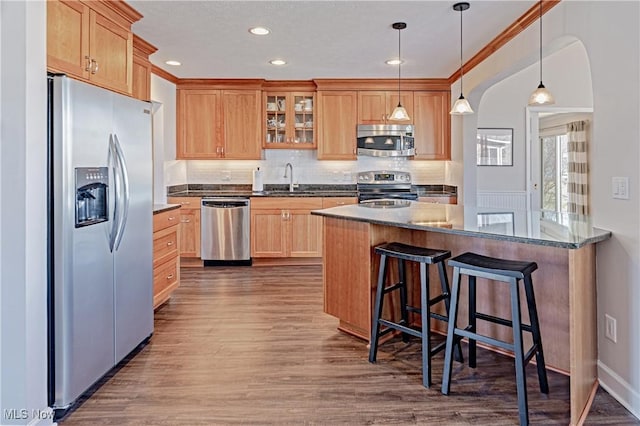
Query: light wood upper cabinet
[[199, 124], [375, 106], [432, 125], [68, 37], [242, 130], [92, 41], [141, 80], [140, 83], [111, 51], [289, 120], [219, 124], [337, 118]]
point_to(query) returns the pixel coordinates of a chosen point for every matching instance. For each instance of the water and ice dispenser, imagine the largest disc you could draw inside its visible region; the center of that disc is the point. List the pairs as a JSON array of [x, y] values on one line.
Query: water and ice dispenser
[[92, 206]]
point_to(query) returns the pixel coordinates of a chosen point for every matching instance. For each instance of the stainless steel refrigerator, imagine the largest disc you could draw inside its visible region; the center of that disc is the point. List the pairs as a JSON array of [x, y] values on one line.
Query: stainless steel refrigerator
[[100, 234]]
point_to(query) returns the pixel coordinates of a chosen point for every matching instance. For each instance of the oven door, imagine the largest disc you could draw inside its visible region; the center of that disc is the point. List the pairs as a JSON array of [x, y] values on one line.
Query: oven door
[[387, 194]]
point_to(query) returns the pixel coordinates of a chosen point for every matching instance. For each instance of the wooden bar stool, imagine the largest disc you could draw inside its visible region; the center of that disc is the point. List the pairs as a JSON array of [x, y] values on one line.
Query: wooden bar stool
[[424, 256], [509, 271]]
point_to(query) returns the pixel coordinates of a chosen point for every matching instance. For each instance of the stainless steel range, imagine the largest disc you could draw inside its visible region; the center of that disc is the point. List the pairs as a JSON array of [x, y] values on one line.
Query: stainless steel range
[[385, 184]]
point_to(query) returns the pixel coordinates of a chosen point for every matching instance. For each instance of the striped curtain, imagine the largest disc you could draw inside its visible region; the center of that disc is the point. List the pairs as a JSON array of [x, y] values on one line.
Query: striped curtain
[[578, 178]]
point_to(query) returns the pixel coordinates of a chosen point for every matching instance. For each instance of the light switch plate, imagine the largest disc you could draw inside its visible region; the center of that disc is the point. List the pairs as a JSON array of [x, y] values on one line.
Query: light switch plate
[[620, 187]]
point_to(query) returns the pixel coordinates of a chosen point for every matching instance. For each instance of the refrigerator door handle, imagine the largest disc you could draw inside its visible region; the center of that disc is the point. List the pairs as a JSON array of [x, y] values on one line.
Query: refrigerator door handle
[[124, 193], [112, 160]]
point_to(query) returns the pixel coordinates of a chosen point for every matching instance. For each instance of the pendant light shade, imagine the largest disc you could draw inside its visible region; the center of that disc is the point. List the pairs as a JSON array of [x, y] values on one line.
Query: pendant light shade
[[542, 95], [461, 107], [399, 113]]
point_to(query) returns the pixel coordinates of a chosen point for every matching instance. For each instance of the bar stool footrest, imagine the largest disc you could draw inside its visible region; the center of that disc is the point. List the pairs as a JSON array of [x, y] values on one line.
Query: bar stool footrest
[[501, 321], [393, 287], [438, 299], [399, 327], [484, 339], [438, 317]]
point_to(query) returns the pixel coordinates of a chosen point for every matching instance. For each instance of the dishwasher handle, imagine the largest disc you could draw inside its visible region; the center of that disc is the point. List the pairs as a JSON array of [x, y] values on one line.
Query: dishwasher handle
[[225, 204]]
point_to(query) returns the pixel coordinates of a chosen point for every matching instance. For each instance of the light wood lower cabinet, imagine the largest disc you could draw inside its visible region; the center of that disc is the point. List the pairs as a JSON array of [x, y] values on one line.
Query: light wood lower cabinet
[[166, 262], [189, 225], [284, 227], [328, 202]]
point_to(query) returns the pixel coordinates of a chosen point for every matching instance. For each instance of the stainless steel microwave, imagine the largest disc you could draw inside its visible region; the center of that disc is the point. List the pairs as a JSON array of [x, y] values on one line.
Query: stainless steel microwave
[[385, 140]]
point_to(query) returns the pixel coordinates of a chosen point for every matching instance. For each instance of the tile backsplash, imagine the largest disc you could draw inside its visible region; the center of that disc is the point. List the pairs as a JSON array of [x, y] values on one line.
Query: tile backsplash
[[306, 169]]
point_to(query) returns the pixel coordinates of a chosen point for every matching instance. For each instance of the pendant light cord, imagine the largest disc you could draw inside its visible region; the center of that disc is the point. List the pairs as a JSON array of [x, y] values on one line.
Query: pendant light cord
[[399, 64], [461, 71], [540, 41]]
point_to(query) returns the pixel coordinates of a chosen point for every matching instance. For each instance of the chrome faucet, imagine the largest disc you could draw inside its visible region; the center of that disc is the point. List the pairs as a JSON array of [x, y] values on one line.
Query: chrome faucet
[[289, 166]]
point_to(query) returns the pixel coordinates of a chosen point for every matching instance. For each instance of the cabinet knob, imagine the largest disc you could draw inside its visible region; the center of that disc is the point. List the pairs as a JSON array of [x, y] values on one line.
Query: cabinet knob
[[170, 276], [170, 218], [170, 243], [94, 66], [87, 66], [184, 203], [185, 221]]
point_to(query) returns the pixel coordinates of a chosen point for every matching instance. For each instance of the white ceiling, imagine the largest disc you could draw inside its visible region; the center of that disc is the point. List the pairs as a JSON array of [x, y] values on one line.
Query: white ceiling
[[318, 39]]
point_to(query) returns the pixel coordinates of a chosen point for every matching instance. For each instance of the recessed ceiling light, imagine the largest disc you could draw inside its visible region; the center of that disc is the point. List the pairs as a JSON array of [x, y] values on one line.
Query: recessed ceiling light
[[393, 62], [174, 63], [259, 30], [277, 62]]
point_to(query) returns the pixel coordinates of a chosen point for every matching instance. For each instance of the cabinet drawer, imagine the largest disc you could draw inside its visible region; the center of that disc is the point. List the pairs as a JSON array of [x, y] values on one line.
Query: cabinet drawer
[[186, 202], [165, 278], [284, 203], [166, 219], [338, 201], [165, 245]]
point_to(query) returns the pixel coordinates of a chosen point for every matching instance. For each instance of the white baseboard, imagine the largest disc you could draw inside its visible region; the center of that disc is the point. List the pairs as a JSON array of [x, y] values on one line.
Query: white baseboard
[[619, 389]]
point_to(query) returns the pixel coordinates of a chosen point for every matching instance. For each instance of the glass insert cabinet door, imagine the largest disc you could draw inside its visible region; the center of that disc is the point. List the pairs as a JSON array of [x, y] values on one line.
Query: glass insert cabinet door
[[290, 120]]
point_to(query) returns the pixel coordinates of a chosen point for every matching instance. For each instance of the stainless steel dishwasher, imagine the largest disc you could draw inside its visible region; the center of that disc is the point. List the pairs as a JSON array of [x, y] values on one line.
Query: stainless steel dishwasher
[[225, 231]]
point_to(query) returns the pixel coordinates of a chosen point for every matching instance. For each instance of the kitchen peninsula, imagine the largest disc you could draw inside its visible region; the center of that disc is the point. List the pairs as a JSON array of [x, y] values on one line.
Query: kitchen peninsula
[[563, 245]]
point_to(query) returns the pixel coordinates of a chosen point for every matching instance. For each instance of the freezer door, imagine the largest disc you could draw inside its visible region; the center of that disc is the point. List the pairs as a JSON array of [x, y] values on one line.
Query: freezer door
[[81, 263], [133, 267]]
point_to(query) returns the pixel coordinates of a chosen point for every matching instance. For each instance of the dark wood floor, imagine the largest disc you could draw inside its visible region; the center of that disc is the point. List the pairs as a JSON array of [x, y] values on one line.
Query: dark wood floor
[[252, 346]]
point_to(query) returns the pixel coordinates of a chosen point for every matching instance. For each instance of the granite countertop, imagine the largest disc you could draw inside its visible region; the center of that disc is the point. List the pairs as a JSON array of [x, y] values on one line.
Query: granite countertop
[[270, 190], [530, 227], [282, 190], [159, 208]]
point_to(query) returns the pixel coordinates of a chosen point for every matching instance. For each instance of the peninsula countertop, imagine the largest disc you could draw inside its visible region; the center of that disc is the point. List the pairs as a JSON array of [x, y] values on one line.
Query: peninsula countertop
[[553, 229]]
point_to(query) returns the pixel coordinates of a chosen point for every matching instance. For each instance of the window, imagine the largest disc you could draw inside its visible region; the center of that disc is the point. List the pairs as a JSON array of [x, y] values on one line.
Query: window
[[555, 172]]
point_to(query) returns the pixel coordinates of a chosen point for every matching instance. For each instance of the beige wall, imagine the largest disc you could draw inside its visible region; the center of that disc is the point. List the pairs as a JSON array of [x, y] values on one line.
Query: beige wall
[[609, 31]]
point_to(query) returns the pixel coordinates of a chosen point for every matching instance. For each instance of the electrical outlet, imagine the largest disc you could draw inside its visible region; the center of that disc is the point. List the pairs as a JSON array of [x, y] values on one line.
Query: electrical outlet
[[610, 328]]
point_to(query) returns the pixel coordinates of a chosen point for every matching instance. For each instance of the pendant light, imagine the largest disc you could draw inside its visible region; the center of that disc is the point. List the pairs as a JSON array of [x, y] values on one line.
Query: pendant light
[[541, 96], [461, 107], [399, 113]]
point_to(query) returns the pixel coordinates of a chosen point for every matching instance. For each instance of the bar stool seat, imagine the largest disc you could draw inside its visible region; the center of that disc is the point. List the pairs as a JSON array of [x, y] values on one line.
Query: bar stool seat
[[510, 271], [425, 257]]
